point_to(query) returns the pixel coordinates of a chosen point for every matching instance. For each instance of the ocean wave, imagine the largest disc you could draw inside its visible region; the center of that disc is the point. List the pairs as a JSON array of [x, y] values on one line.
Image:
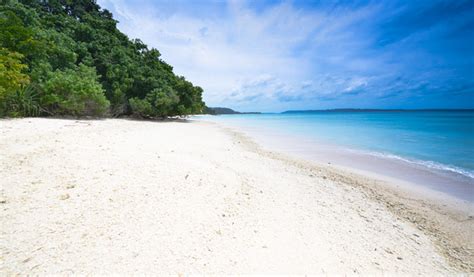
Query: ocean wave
[[431, 165]]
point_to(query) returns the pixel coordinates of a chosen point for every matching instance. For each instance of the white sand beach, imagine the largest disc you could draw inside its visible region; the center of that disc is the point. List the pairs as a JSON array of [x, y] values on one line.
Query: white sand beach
[[134, 197]]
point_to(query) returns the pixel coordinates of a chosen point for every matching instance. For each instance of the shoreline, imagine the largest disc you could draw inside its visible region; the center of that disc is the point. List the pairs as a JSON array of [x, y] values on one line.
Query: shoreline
[[414, 174], [167, 179], [448, 220]]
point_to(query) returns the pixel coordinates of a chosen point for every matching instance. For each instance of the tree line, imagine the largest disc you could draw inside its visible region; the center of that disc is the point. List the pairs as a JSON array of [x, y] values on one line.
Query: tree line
[[67, 57]]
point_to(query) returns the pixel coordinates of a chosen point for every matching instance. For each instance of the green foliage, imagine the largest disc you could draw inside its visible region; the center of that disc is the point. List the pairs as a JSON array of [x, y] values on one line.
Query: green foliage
[[165, 101], [25, 102], [72, 52], [12, 76], [74, 92], [159, 102], [141, 107], [18, 26]]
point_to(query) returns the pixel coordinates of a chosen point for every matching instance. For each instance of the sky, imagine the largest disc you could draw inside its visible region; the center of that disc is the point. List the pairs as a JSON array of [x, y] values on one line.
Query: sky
[[274, 56]]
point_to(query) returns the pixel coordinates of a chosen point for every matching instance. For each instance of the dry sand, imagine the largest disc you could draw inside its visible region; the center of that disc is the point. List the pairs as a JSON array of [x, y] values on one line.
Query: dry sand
[[128, 197]]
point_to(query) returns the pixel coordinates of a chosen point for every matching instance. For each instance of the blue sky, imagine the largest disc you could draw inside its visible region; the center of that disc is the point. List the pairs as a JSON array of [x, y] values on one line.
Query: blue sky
[[281, 55]]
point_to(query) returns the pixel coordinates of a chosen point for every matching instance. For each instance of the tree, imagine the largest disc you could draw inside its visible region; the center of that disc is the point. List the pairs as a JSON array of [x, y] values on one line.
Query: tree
[[79, 63], [74, 92], [12, 76], [159, 102], [17, 37]]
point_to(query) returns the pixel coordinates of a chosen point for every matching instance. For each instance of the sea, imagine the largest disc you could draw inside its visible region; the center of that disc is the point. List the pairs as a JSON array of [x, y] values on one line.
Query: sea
[[431, 148]]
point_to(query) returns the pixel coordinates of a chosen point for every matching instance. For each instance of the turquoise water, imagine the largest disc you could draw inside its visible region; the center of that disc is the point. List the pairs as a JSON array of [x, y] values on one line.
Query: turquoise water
[[439, 140]]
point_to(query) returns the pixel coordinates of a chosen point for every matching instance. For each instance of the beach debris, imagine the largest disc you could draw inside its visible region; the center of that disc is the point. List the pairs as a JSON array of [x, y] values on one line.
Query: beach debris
[[70, 186], [3, 200], [399, 258], [64, 196], [471, 217], [186, 177]]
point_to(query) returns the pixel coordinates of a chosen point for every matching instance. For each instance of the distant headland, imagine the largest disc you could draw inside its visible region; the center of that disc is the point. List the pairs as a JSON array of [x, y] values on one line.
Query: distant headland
[[377, 110], [222, 110]]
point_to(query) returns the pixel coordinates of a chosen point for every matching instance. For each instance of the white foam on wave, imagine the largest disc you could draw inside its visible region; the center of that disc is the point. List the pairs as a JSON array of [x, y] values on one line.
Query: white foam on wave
[[430, 165]]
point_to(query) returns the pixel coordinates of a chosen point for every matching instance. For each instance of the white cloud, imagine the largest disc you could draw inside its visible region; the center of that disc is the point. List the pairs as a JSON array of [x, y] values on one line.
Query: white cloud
[[282, 56], [283, 48]]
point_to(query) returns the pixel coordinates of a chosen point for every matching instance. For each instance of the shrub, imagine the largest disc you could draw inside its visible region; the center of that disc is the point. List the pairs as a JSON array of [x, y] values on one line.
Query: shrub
[[12, 77], [141, 107], [159, 102], [74, 92], [25, 102]]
